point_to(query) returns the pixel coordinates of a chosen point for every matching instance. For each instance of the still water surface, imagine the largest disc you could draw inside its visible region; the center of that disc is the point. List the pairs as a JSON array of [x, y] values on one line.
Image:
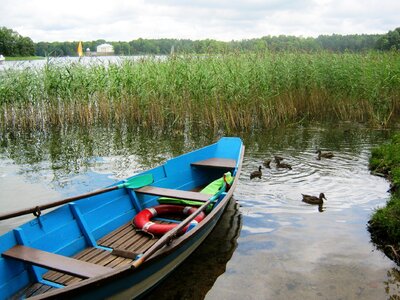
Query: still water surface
[[269, 245], [65, 60]]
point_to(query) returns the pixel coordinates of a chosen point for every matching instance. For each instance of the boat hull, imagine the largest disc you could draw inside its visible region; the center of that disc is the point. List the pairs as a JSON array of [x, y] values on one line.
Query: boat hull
[[95, 233]]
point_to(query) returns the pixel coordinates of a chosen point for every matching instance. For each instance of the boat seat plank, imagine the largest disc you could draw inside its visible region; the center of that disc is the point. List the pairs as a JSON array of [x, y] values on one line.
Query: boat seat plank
[[172, 193], [54, 275], [216, 163], [55, 262], [136, 240], [97, 259], [91, 256]]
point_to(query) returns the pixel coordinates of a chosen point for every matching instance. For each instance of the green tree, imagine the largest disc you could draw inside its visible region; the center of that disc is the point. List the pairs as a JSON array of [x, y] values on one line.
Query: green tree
[[394, 39], [13, 44], [26, 46]]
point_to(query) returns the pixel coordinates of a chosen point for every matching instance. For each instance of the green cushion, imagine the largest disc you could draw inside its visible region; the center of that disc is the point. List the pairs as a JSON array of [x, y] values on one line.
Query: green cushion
[[211, 189]]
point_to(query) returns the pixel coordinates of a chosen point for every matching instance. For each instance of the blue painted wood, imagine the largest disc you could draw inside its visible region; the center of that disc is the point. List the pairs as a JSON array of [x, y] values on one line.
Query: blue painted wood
[[13, 274], [134, 199], [94, 202], [104, 248], [10, 268], [51, 221], [73, 247], [58, 238], [107, 212], [51, 283], [13, 285], [33, 271], [7, 241], [83, 225]]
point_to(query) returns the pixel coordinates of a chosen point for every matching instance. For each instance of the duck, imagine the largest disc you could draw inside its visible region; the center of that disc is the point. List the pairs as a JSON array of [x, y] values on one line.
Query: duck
[[324, 155], [313, 199], [255, 174], [267, 163], [278, 158], [283, 165]]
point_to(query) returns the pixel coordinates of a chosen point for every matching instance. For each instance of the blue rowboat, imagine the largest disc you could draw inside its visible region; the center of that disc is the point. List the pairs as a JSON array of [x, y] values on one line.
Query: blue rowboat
[[121, 240]]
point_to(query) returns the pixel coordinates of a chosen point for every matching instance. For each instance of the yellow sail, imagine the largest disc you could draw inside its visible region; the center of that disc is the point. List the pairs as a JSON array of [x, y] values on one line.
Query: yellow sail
[[80, 51]]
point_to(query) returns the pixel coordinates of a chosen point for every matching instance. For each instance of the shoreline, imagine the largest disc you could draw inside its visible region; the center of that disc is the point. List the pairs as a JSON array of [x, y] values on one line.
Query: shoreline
[[384, 225]]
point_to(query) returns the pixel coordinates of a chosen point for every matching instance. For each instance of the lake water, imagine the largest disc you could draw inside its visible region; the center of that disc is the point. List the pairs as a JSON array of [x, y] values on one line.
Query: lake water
[[86, 60], [269, 244]]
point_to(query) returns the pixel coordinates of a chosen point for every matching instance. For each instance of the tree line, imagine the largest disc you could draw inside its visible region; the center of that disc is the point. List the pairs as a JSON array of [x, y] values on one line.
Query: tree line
[[13, 44]]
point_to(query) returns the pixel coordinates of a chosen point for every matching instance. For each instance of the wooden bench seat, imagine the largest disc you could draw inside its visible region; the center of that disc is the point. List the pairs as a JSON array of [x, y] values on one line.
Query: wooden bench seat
[[171, 193], [55, 262], [216, 163]]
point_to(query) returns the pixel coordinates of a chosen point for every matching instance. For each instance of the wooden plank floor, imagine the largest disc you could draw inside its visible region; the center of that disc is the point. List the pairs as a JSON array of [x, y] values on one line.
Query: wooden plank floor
[[123, 238]]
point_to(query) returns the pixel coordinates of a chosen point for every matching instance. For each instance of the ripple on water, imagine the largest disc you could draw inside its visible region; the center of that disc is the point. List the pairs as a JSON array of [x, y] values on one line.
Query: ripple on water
[[344, 179]]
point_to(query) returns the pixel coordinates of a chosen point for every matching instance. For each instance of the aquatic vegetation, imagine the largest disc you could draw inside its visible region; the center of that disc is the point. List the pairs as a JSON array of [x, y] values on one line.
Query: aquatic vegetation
[[385, 222], [229, 91]]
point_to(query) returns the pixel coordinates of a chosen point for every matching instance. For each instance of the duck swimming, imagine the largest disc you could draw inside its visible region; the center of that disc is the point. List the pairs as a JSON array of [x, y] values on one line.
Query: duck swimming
[[324, 155], [314, 200], [283, 165], [278, 158], [267, 163], [255, 174]]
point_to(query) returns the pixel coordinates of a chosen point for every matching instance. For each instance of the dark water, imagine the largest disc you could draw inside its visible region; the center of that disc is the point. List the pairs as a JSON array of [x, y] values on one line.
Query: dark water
[[269, 245]]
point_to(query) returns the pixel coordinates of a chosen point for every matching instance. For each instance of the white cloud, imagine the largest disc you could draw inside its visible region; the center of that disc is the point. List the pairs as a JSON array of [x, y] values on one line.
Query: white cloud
[[45, 20]]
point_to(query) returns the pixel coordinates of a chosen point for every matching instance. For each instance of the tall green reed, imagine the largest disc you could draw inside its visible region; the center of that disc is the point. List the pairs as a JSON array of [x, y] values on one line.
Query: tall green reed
[[230, 91]]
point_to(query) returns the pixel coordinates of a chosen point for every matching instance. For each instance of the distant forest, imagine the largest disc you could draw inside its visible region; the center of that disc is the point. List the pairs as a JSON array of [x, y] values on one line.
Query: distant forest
[[13, 44]]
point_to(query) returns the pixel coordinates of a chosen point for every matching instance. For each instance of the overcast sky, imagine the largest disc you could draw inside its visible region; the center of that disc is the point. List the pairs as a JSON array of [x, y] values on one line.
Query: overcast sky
[[225, 20]]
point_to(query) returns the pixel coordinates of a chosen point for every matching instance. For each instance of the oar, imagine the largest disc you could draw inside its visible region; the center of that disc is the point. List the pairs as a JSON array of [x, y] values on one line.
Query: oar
[[166, 238], [133, 183]]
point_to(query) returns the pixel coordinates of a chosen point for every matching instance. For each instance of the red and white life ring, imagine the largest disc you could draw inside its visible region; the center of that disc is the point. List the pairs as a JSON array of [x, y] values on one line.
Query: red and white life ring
[[142, 219]]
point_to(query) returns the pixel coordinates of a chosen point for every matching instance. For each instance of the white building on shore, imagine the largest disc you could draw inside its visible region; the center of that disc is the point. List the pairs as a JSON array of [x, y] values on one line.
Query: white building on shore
[[105, 49]]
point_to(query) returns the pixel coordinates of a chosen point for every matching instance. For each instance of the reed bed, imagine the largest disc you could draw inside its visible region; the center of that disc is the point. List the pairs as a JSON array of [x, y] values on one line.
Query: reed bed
[[232, 91]]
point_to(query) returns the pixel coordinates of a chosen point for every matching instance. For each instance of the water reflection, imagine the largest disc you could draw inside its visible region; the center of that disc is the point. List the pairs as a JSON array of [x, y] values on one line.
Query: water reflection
[[287, 249], [63, 154]]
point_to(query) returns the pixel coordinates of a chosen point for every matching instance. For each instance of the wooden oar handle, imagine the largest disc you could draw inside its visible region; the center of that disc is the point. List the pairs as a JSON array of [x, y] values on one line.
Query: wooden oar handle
[[37, 209]]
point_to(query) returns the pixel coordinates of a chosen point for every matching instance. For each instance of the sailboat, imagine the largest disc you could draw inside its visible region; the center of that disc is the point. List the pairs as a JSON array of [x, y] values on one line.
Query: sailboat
[[80, 50]]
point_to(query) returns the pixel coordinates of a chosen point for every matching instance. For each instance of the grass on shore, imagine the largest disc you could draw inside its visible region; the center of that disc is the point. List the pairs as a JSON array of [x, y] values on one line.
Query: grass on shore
[[233, 91], [384, 225]]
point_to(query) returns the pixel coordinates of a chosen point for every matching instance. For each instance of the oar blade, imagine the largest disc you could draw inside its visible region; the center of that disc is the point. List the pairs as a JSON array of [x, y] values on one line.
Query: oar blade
[[139, 181]]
